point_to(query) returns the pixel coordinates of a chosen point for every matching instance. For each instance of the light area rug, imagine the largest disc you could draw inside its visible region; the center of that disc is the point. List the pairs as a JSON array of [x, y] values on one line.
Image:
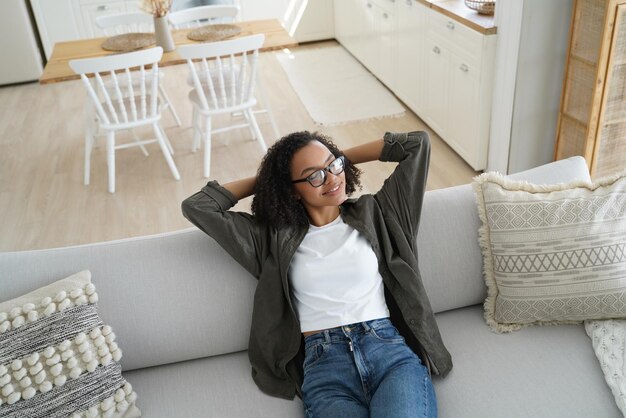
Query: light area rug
[[335, 88]]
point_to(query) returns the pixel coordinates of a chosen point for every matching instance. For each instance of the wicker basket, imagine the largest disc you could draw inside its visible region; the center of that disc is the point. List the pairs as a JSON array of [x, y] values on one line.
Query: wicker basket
[[484, 7]]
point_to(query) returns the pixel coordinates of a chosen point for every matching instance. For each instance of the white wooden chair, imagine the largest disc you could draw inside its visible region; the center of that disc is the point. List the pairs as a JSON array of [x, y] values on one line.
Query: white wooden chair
[[121, 23], [194, 17], [204, 15], [221, 89], [123, 105]]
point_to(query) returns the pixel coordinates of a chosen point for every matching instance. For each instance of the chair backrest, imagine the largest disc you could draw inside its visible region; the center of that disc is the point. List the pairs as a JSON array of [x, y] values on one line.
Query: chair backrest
[[203, 15], [224, 73], [120, 23], [118, 98]]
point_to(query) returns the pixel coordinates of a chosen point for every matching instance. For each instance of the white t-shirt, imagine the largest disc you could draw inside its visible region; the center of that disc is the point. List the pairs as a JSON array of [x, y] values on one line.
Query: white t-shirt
[[334, 278]]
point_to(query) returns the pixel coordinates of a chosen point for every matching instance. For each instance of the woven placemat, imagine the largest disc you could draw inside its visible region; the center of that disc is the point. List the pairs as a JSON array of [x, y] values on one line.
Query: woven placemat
[[215, 32], [128, 42]]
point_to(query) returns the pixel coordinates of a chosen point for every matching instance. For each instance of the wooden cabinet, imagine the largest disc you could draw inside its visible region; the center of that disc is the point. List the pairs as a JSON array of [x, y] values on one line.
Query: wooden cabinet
[[592, 120]]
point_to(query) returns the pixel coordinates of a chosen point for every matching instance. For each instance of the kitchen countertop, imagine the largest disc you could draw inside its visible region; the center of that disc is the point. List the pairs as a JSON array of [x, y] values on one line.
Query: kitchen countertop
[[457, 10]]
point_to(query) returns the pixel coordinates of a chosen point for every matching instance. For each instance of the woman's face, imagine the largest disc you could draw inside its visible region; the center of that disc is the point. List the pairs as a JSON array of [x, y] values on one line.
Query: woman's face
[[323, 199]]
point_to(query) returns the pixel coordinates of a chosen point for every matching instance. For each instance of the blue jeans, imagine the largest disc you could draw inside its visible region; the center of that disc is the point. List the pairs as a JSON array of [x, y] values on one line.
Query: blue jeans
[[362, 370]]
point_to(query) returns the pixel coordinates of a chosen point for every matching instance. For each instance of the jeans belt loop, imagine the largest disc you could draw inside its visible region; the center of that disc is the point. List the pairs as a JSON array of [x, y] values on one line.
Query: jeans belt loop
[[366, 326], [327, 336]]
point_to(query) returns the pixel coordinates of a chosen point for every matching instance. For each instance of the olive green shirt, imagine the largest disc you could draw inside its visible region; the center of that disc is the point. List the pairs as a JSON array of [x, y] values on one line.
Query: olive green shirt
[[389, 219]]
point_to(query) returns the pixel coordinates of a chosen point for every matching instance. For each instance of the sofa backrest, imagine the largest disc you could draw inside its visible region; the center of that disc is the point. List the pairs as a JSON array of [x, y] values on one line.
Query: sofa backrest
[[179, 296]]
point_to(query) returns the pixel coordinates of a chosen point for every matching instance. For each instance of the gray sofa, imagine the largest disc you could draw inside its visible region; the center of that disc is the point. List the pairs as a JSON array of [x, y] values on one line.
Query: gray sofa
[[181, 309]]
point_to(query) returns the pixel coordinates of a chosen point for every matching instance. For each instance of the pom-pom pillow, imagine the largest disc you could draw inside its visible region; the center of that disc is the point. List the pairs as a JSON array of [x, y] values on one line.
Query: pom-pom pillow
[[57, 357], [552, 253]]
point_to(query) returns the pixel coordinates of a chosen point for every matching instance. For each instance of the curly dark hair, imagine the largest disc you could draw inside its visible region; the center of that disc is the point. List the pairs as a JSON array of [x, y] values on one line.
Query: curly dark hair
[[274, 202]]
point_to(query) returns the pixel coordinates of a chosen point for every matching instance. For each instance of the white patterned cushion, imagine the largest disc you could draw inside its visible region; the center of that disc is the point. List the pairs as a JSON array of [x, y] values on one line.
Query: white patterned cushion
[[608, 338], [552, 253], [57, 357]]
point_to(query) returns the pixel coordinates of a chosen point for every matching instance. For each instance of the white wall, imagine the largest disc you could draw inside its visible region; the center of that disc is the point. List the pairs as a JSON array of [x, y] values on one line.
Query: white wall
[[540, 71], [533, 37]]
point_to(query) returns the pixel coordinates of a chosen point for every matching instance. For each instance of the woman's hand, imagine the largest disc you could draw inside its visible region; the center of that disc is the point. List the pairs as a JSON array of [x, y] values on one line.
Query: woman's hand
[[365, 153]]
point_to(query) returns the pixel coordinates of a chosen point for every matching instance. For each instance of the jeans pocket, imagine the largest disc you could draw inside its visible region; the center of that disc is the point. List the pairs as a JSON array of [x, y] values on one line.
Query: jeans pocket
[[313, 354], [387, 334]]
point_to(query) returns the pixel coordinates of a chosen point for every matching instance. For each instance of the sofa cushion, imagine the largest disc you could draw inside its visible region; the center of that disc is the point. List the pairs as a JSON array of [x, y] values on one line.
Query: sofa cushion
[[219, 386], [552, 253], [539, 372], [57, 358]]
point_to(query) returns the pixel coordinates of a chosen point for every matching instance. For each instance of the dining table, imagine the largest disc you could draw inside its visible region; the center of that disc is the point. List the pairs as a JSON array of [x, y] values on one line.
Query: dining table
[[57, 68]]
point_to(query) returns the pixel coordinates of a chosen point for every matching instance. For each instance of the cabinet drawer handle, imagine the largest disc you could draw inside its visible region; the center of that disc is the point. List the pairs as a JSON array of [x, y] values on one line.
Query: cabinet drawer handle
[[409, 2], [385, 15], [369, 5], [450, 25], [103, 7], [464, 68], [436, 50]]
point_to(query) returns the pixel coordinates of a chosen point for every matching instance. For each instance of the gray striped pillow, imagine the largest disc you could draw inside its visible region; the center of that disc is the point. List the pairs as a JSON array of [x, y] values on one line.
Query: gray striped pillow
[[57, 357], [552, 253]]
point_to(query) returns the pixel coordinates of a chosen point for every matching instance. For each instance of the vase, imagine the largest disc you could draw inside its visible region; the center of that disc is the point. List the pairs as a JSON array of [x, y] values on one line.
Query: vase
[[163, 34]]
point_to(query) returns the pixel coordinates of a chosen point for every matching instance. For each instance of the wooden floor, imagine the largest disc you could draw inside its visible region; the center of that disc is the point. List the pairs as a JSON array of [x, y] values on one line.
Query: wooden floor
[[44, 204]]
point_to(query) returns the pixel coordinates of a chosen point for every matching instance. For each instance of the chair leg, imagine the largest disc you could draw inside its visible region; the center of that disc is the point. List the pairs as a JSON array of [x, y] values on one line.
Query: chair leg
[[195, 123], [255, 126], [88, 148], [207, 147], [250, 127], [111, 160], [166, 152], [169, 105], [167, 140], [266, 104], [136, 138]]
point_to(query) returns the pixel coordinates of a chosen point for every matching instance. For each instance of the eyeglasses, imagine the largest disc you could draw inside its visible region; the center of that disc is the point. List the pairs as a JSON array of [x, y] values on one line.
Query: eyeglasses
[[318, 178]]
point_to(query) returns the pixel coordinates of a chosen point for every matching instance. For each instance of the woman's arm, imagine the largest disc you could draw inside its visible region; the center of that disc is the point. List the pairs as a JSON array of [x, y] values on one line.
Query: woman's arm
[[366, 152], [241, 188], [236, 232]]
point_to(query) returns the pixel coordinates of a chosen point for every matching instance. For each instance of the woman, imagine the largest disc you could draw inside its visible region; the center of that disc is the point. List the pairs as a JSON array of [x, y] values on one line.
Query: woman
[[340, 316]]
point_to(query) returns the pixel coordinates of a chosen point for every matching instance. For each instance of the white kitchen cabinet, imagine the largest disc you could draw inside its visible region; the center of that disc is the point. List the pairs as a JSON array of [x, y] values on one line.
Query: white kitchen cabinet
[[459, 86], [68, 20], [56, 22], [90, 10], [436, 78], [317, 22], [352, 26], [464, 115], [367, 28], [382, 48], [410, 63], [440, 68], [266, 9]]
